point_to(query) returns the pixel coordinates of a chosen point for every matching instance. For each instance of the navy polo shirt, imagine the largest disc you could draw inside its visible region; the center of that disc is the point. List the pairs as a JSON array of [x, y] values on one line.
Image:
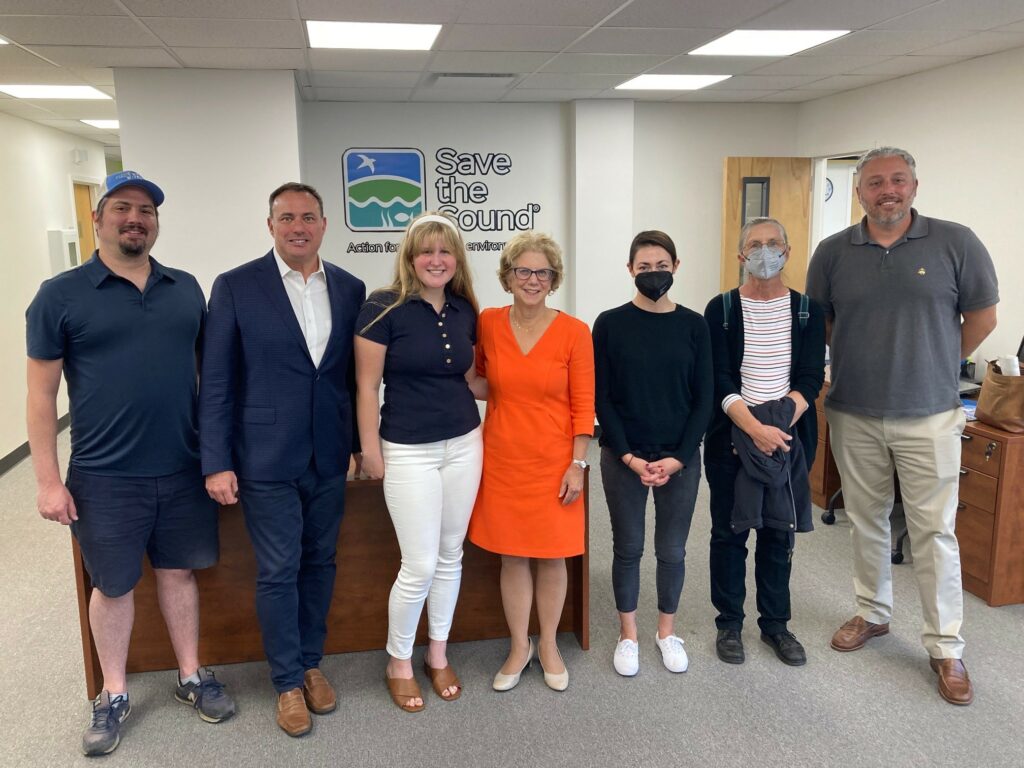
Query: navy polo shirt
[[130, 363], [426, 398]]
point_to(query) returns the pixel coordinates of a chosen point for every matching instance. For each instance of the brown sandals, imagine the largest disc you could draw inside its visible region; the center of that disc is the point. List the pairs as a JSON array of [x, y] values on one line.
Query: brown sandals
[[402, 689], [442, 680]]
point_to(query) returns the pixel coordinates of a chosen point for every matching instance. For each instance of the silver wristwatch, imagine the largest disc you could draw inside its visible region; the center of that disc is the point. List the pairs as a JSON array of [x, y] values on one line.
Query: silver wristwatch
[[581, 463]]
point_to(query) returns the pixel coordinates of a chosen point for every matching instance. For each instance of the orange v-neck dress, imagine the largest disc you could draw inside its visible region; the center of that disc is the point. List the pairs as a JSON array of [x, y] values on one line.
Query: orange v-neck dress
[[536, 403]]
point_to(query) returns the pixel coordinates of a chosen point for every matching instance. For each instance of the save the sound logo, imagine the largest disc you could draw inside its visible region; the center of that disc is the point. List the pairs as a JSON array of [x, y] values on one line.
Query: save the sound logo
[[383, 188]]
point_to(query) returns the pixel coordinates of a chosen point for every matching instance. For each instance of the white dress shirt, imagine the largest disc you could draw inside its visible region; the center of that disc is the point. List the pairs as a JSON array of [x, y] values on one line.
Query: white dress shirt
[[311, 305]]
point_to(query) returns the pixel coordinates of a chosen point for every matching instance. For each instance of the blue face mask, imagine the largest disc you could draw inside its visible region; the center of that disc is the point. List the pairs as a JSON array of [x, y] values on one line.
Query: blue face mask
[[765, 263]]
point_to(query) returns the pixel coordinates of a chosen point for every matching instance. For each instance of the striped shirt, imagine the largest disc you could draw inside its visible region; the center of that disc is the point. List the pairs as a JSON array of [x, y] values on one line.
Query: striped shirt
[[767, 351]]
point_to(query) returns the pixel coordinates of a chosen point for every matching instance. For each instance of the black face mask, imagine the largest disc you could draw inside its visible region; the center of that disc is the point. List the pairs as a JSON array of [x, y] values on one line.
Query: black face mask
[[653, 285]]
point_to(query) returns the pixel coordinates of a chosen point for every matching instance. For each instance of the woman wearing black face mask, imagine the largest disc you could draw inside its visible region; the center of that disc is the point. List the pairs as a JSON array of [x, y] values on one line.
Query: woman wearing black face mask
[[654, 392]]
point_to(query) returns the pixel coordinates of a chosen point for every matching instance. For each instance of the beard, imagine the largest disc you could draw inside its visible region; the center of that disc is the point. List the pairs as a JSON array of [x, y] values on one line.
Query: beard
[[132, 246]]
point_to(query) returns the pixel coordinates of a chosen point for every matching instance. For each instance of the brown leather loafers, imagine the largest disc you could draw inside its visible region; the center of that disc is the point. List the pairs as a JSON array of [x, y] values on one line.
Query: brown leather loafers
[[292, 715], [318, 692], [854, 633], [954, 683]]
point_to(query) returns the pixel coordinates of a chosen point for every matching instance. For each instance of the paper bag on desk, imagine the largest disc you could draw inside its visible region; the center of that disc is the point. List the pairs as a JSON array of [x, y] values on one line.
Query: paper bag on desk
[[1001, 403]]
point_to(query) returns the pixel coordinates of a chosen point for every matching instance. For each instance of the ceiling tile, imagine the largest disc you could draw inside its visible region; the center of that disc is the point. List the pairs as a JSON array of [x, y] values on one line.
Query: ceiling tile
[[764, 82], [366, 79], [842, 82], [214, 9], [816, 65], [713, 95], [980, 44], [713, 65], [629, 40], [833, 14], [228, 33], [563, 81], [363, 61], [506, 37], [410, 11], [543, 12], [907, 65], [885, 42], [242, 58], [62, 7], [98, 56], [75, 30], [13, 57], [363, 94], [960, 15], [485, 95], [720, 14], [95, 75], [479, 61], [541, 94], [48, 75], [24, 109], [796, 96], [604, 63], [80, 110]]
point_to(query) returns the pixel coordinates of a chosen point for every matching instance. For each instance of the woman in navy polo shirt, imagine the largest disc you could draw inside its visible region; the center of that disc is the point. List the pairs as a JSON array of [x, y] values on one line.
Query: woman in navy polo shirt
[[418, 336]]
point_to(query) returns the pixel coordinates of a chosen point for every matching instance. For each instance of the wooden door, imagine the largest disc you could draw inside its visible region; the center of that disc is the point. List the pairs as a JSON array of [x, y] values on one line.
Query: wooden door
[[83, 219], [788, 198]]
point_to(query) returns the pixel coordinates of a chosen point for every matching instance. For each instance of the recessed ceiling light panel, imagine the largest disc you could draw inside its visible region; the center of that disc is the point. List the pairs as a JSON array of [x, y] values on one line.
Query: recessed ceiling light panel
[[106, 125], [53, 92], [671, 82], [767, 42], [371, 35]]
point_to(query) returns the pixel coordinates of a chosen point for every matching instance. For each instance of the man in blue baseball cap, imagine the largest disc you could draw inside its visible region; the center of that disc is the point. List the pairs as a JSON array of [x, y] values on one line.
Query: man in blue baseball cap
[[124, 331]]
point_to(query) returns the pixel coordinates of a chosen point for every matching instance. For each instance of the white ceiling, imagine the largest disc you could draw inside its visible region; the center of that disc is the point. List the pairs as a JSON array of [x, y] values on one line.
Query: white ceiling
[[554, 50]]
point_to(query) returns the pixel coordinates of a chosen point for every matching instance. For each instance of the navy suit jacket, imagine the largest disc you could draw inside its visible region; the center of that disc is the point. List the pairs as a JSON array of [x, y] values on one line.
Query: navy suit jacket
[[264, 409]]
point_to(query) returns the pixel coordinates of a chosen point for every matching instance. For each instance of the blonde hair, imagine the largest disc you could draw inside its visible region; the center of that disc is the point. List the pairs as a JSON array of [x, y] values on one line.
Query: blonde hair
[[406, 284], [530, 241]]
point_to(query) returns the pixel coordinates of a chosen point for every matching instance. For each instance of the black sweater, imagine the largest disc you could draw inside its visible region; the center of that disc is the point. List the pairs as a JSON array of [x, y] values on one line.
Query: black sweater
[[654, 384], [806, 374]]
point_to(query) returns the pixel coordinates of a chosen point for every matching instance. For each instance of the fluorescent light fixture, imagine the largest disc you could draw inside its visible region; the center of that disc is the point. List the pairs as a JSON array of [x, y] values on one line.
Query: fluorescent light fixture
[[3, 41], [105, 125], [371, 36], [670, 82], [767, 42], [53, 92]]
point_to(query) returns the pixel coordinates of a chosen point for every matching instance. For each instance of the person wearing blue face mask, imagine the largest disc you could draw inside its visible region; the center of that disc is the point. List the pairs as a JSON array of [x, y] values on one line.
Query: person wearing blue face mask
[[654, 389], [768, 344]]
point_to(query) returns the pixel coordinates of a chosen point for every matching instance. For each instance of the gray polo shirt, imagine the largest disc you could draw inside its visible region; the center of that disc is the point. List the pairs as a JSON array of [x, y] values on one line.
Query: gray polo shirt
[[896, 314]]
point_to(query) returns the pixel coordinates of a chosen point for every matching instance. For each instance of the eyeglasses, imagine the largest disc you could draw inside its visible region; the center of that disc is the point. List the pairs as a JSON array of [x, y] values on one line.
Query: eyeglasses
[[524, 273], [755, 245]]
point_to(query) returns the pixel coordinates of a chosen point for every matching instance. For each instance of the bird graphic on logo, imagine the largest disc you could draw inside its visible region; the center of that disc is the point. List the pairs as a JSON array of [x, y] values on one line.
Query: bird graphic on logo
[[367, 162]]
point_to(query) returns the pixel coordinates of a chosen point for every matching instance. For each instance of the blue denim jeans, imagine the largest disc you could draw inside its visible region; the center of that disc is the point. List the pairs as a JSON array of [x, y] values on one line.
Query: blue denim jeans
[[673, 511]]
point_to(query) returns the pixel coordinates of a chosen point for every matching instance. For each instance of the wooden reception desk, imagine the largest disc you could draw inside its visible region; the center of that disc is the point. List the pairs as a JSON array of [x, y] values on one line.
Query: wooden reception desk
[[368, 561]]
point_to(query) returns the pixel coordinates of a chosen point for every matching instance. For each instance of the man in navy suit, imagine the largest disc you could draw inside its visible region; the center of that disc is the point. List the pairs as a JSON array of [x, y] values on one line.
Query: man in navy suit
[[276, 430]]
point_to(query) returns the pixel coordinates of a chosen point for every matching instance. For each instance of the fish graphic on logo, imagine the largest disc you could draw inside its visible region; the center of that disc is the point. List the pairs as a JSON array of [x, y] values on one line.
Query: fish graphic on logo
[[383, 188]]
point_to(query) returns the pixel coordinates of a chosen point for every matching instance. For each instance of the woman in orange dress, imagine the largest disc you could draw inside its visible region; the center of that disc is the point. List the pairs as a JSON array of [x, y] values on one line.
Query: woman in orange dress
[[539, 366]]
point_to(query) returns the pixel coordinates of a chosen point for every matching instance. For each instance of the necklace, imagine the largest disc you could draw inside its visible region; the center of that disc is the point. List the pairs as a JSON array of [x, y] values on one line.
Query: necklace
[[521, 326]]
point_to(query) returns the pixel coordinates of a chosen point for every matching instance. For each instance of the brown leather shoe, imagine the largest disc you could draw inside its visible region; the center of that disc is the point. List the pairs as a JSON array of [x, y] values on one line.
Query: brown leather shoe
[[854, 633], [292, 715], [954, 683], [318, 692]]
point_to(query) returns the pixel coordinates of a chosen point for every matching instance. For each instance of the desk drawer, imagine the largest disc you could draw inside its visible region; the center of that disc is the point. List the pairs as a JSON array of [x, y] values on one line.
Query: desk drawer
[[980, 453], [974, 532], [978, 490]]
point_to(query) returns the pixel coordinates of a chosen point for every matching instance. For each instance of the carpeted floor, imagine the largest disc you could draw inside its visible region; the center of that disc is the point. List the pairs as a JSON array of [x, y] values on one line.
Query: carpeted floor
[[875, 707]]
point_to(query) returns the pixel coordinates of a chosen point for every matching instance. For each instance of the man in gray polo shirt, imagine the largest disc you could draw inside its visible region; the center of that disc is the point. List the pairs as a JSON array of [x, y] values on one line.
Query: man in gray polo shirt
[[906, 298]]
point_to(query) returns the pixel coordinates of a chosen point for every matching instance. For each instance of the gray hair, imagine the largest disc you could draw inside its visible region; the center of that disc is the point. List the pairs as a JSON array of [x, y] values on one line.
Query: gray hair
[[758, 221], [879, 152]]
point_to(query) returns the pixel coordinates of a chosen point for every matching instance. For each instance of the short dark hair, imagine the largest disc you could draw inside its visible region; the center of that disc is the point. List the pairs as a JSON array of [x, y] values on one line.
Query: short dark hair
[[653, 237], [295, 186]]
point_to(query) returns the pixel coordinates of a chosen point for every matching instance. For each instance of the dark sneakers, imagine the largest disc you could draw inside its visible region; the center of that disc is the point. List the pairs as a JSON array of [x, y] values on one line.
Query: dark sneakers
[[104, 732], [729, 646], [207, 696], [787, 648]]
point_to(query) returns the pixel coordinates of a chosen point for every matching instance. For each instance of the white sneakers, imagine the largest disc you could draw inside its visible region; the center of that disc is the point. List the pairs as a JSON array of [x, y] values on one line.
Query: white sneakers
[[672, 653], [627, 658]]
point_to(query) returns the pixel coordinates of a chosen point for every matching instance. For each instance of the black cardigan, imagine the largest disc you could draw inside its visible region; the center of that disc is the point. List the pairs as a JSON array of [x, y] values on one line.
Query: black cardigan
[[806, 375]]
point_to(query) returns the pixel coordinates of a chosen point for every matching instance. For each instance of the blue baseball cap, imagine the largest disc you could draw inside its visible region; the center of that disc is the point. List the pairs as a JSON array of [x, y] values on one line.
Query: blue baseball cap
[[120, 179]]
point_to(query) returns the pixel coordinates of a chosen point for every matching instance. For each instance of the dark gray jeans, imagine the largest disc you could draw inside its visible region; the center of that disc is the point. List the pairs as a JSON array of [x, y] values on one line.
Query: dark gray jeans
[[673, 511]]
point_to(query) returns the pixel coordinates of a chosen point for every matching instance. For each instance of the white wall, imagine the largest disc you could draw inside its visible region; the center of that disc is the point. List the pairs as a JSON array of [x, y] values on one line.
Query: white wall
[[679, 149], [218, 142], [36, 195], [533, 135], [964, 124]]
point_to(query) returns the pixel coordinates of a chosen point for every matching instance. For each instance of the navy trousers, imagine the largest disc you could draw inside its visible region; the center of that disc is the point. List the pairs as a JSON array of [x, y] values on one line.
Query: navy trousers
[[772, 558], [294, 530]]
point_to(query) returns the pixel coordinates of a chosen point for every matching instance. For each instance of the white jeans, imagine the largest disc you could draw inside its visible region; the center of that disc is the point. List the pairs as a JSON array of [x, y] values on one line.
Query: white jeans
[[430, 490], [925, 452]]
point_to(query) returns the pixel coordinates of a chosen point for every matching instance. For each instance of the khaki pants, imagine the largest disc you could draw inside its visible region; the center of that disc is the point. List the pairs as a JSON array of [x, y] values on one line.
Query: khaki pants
[[925, 452]]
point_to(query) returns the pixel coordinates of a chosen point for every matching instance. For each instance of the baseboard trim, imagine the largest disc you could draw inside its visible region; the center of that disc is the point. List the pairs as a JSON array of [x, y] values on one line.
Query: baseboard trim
[[15, 457]]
